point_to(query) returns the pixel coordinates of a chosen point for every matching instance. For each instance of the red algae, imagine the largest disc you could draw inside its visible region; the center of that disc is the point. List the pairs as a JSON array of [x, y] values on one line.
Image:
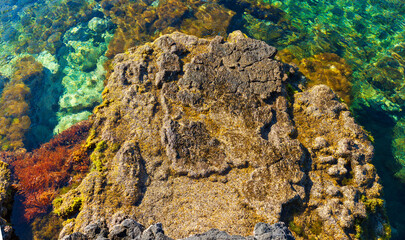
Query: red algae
[[41, 173]]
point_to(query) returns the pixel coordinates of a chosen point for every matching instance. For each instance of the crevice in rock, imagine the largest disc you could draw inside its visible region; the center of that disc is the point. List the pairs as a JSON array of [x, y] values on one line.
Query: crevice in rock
[[290, 209], [143, 177], [266, 128]]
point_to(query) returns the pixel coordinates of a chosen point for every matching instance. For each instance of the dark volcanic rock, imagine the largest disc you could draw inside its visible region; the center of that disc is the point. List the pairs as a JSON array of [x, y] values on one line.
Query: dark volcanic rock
[[277, 231], [130, 229], [201, 134]]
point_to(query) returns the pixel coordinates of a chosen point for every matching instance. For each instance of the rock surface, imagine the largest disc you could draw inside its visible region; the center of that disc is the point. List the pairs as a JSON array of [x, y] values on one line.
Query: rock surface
[[201, 134], [130, 229], [6, 200]]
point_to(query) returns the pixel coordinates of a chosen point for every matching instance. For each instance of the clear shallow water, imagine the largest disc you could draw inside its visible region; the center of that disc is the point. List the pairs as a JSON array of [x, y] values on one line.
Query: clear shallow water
[[72, 41]]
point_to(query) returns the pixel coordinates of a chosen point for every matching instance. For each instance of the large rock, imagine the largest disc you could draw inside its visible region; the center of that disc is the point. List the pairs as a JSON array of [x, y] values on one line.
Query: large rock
[[201, 134]]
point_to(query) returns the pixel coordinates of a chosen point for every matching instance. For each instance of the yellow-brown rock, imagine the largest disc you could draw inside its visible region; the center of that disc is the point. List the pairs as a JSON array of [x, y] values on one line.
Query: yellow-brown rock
[[6, 198], [200, 134]]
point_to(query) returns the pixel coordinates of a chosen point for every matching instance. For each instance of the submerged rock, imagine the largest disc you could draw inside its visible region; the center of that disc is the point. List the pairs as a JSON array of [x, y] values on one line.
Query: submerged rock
[[82, 60], [200, 134]]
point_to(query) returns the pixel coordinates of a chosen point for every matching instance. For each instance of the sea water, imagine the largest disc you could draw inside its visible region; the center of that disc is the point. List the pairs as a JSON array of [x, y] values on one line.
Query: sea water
[[72, 43]]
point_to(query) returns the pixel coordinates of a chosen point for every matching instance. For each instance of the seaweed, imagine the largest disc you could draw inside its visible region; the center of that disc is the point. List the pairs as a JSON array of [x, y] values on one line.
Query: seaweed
[[42, 172]]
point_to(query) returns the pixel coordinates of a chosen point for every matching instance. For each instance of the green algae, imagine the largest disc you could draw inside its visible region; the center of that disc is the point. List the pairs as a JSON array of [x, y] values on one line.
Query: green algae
[[97, 158], [66, 211], [297, 229]]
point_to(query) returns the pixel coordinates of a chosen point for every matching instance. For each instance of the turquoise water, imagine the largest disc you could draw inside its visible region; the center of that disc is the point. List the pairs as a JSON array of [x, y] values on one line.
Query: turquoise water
[[72, 41]]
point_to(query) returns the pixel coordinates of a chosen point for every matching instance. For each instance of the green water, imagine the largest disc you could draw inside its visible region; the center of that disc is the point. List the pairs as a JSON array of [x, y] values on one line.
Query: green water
[[75, 39]]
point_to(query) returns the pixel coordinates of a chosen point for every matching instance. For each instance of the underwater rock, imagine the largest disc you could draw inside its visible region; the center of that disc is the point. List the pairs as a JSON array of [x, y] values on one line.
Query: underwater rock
[[210, 19], [46, 23], [99, 25], [323, 26], [385, 78], [46, 32], [83, 81], [383, 92], [398, 147], [28, 70], [325, 68], [48, 61], [203, 133], [143, 21], [15, 102], [69, 120]]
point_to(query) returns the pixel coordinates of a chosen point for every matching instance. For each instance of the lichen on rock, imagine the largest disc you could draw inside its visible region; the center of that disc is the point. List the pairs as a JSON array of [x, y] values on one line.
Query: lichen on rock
[[343, 180], [203, 133]]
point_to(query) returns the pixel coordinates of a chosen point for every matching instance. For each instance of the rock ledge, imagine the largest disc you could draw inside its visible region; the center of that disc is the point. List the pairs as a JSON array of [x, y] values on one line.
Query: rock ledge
[[129, 229]]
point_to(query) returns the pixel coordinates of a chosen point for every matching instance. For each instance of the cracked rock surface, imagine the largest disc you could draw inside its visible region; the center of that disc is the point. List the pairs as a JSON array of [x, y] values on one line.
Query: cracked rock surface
[[202, 134]]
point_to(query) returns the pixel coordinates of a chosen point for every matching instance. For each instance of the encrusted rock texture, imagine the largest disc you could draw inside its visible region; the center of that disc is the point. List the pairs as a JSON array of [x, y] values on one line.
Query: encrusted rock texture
[[211, 133], [127, 228], [6, 200]]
